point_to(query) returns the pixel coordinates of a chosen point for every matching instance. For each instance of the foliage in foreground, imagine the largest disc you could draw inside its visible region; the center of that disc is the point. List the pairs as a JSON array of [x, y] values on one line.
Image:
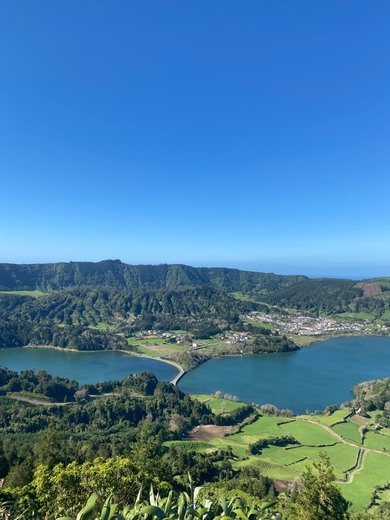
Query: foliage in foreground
[[187, 506], [320, 498]]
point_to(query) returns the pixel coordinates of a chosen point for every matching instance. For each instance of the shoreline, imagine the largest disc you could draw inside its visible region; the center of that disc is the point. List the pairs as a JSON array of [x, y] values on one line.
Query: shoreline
[[62, 349], [320, 339], [173, 381], [183, 371]]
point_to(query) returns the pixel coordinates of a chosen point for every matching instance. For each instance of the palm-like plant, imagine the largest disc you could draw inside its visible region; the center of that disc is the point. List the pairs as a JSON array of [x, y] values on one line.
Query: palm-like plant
[[188, 506]]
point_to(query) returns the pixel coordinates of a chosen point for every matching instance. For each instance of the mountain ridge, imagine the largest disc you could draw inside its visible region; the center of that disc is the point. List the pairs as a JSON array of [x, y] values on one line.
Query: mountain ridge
[[114, 273]]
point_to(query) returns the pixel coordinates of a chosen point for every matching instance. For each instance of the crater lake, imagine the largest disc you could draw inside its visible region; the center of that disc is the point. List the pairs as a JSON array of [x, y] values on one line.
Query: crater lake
[[309, 379]]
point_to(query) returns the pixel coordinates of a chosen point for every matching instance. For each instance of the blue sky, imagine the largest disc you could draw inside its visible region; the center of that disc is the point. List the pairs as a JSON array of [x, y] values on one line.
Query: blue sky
[[248, 134]]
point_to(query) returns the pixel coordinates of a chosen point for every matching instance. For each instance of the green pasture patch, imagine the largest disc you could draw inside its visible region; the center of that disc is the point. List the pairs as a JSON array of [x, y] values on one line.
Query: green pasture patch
[[349, 431], [211, 342], [385, 432], [218, 405], [268, 469], [328, 420], [37, 398], [282, 455], [223, 406], [147, 352], [372, 414], [263, 427], [375, 472], [245, 297], [356, 316], [100, 326], [33, 294], [309, 434], [190, 446], [304, 341], [203, 398], [377, 441], [145, 340], [154, 346], [260, 324], [225, 443], [342, 457]]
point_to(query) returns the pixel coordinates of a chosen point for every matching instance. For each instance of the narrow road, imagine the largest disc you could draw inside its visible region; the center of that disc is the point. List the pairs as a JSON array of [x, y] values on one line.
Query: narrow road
[[37, 401], [361, 454]]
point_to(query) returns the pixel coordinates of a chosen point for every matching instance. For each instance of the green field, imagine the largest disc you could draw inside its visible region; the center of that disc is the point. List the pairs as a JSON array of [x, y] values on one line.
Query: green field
[[261, 428], [376, 472], [198, 446], [288, 462], [154, 346], [349, 431], [377, 441], [218, 405], [328, 420], [269, 469], [308, 433], [304, 341]]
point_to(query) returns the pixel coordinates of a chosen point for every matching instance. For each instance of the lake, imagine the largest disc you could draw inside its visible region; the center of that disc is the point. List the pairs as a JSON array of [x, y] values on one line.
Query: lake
[[84, 367], [310, 378]]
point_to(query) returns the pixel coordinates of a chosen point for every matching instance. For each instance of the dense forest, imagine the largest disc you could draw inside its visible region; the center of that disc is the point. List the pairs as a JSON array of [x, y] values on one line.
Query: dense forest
[[73, 318], [95, 306], [114, 440], [114, 273], [323, 295], [107, 437], [62, 441]]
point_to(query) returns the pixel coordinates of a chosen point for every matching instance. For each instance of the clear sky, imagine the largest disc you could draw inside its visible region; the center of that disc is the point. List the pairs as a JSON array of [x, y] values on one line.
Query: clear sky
[[251, 134]]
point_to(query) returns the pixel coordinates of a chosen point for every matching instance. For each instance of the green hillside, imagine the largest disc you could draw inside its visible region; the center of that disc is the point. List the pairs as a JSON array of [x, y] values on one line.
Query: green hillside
[[114, 273]]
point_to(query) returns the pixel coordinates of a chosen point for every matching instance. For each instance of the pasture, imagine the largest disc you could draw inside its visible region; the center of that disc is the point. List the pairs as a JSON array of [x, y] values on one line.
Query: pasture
[[375, 472], [357, 480], [377, 441], [328, 420], [349, 431], [309, 434], [219, 406]]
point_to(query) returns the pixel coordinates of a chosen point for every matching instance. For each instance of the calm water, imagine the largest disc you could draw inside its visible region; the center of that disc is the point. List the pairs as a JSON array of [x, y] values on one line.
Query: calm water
[[84, 367], [311, 378]]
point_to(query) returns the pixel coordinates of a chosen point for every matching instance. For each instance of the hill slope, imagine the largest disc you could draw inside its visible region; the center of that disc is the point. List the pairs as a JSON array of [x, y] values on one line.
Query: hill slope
[[114, 273]]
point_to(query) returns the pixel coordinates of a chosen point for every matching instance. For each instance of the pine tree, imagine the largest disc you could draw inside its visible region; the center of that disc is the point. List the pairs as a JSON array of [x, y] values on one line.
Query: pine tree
[[320, 498]]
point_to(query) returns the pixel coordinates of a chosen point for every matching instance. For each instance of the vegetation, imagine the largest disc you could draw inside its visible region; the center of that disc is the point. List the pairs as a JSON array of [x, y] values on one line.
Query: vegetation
[[54, 457], [62, 442], [324, 295], [113, 273], [319, 499]]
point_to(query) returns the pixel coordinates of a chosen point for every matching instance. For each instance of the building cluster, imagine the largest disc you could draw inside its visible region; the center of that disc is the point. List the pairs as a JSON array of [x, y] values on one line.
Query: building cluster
[[307, 325]]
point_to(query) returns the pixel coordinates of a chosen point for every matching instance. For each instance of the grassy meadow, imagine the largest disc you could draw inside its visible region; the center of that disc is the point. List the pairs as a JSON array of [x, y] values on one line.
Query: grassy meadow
[[337, 434]]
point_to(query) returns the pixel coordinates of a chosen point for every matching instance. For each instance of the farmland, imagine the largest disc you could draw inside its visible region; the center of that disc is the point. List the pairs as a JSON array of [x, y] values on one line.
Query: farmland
[[359, 466]]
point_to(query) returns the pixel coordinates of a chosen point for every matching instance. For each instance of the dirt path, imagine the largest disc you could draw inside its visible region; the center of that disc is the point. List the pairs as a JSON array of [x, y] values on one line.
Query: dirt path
[[37, 401], [359, 466], [361, 454]]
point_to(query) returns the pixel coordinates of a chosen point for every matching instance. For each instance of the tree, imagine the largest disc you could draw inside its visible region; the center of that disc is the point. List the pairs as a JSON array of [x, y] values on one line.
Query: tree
[[320, 498]]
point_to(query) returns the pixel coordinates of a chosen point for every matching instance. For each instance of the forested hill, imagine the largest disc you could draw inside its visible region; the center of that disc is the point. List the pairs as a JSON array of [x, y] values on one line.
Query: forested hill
[[115, 274]]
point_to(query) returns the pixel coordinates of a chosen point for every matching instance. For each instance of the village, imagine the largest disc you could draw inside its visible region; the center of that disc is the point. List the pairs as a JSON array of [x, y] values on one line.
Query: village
[[289, 324], [313, 326]]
